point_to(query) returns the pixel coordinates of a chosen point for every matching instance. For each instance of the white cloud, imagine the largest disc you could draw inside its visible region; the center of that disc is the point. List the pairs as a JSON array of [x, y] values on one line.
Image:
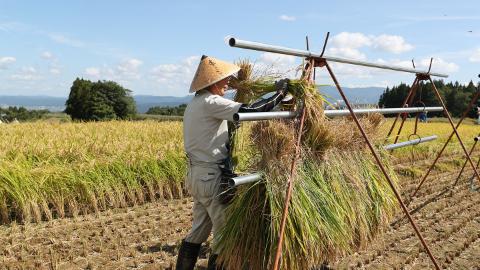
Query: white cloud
[[54, 71], [176, 76], [59, 38], [475, 57], [129, 68], [352, 71], [47, 55], [391, 43], [347, 53], [351, 40], [348, 44], [125, 71], [277, 64], [6, 61], [54, 67], [439, 65], [26, 74], [165, 71], [276, 59], [92, 71], [397, 63], [287, 18]]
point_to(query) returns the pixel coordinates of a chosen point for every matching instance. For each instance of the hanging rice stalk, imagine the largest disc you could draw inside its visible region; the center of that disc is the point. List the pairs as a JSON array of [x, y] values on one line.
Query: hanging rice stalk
[[340, 198]]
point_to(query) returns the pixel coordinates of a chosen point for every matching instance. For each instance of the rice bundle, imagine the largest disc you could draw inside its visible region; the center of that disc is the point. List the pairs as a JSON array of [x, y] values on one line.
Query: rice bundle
[[340, 198]]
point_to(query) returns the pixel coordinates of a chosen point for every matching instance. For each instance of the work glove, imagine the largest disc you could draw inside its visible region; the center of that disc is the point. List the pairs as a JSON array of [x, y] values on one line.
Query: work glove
[[281, 86], [226, 192]]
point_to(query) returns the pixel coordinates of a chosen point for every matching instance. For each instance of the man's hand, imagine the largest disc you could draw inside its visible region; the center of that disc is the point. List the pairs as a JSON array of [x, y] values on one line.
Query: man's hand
[[281, 86]]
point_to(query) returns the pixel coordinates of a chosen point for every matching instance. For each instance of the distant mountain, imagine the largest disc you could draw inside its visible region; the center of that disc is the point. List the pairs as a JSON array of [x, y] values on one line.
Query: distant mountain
[[144, 102], [358, 95], [53, 104], [365, 95], [56, 104]]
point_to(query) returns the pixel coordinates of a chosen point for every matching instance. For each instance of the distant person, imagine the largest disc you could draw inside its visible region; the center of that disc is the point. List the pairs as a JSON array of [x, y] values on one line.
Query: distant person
[[423, 116]]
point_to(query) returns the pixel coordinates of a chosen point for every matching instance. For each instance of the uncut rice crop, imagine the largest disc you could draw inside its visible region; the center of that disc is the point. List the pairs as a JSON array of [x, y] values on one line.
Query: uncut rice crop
[[50, 170], [439, 127], [340, 199]]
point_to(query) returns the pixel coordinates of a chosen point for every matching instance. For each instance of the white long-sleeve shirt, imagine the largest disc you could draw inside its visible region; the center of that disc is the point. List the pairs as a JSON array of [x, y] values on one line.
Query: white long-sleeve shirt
[[205, 130]]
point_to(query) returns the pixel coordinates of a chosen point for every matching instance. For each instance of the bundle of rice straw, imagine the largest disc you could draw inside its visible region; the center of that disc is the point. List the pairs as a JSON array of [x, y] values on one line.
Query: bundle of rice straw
[[340, 198]]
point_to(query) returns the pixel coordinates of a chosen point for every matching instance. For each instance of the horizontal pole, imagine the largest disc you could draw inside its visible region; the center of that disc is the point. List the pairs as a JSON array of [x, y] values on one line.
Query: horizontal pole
[[476, 138], [411, 142], [330, 113], [244, 179], [264, 116], [235, 42]]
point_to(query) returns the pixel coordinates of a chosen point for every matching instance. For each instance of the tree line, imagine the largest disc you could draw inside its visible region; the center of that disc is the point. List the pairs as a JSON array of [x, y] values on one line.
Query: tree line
[[455, 95], [13, 113], [167, 110]]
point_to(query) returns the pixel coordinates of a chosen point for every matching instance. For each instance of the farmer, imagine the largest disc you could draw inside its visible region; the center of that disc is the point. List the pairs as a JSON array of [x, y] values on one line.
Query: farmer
[[207, 147]]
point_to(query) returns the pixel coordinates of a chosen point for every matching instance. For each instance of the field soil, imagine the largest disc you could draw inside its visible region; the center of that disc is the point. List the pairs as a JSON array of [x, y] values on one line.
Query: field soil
[[148, 236]]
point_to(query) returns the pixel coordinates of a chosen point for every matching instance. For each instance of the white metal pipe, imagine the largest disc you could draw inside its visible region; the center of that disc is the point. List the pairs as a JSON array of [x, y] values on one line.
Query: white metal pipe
[[244, 179], [234, 42], [264, 116], [411, 142], [330, 113], [476, 138]]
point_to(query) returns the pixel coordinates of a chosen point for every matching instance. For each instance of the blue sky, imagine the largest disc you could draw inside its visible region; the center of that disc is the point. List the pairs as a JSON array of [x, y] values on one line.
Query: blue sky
[[153, 47]]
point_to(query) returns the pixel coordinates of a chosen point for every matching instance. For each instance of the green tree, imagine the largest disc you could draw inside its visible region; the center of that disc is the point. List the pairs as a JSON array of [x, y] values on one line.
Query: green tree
[[79, 95], [167, 110], [102, 100]]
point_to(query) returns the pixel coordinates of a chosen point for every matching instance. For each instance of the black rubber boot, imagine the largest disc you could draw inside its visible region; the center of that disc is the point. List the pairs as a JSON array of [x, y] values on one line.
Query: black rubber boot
[[187, 256], [212, 263]]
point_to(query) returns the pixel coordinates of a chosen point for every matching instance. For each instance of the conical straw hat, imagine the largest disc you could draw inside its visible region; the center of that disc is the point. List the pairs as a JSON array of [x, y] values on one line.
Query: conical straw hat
[[210, 71]]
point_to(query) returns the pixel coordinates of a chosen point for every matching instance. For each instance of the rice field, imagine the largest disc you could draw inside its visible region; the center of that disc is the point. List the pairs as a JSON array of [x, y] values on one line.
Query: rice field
[[50, 170], [468, 130], [148, 236]]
